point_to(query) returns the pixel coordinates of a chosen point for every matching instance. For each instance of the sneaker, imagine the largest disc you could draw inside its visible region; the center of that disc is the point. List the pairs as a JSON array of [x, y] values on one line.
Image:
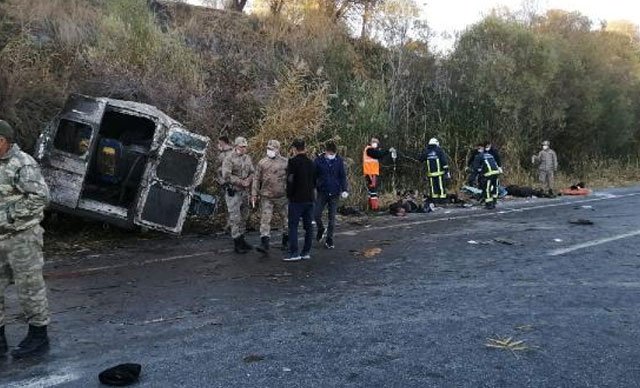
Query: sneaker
[[306, 256], [292, 258], [329, 244]]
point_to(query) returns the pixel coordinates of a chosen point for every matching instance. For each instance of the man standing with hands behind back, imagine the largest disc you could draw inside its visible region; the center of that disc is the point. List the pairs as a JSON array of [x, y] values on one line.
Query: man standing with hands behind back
[[300, 192]]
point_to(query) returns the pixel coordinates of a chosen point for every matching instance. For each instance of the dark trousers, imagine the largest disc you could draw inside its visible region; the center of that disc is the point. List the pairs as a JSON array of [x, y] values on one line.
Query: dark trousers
[[438, 192], [297, 211], [490, 188], [330, 202]]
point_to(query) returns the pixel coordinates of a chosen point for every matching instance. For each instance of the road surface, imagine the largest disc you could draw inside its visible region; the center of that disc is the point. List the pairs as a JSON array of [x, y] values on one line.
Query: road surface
[[418, 314]]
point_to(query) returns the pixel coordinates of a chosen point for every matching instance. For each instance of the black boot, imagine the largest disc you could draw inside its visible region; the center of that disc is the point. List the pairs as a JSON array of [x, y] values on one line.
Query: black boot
[[36, 343], [264, 244], [285, 242], [238, 247], [3, 342], [245, 245]]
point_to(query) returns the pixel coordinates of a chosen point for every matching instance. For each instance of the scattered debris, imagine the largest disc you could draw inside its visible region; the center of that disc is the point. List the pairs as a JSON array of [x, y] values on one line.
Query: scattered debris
[[371, 252], [581, 221], [557, 239], [285, 369], [473, 242], [504, 241], [253, 358], [121, 375], [525, 328], [507, 344]]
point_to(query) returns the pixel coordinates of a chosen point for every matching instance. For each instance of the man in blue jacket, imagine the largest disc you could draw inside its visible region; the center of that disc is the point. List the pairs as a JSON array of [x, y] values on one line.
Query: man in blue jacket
[[331, 184]]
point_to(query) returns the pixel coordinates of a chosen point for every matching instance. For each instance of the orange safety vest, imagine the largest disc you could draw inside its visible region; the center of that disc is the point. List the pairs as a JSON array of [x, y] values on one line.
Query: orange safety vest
[[370, 166]]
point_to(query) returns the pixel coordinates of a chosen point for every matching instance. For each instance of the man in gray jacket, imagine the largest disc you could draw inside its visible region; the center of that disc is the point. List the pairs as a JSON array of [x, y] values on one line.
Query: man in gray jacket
[[547, 162]]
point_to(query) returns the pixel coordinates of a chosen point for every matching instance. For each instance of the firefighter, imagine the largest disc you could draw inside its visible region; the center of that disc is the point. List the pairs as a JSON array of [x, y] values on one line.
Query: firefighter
[[437, 171], [371, 170], [488, 173]]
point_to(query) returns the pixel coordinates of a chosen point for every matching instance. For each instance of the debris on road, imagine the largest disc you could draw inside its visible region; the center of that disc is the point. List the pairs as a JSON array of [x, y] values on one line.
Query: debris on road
[[581, 221], [507, 344], [557, 240], [504, 241], [121, 375], [367, 252], [253, 358]]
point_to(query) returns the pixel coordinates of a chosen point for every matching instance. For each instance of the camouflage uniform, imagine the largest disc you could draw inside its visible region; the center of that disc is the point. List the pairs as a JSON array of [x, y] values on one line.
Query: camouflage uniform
[[235, 169], [23, 197], [270, 184], [222, 155]]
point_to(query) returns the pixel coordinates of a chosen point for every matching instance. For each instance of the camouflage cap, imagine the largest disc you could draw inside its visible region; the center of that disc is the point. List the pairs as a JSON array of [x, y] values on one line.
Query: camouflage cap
[[6, 131], [273, 144], [241, 142]]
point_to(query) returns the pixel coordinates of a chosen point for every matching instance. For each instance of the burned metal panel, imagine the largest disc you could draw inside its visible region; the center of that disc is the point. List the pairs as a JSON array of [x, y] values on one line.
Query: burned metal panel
[[172, 179], [65, 168]]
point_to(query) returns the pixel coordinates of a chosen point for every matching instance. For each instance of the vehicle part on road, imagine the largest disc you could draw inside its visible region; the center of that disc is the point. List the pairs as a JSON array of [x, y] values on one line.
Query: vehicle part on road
[[124, 163], [34, 344], [504, 241], [581, 221], [121, 375]]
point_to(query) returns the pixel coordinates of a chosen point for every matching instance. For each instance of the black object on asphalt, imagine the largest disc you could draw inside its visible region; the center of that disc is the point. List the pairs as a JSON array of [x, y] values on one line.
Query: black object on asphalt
[[121, 375], [581, 221]]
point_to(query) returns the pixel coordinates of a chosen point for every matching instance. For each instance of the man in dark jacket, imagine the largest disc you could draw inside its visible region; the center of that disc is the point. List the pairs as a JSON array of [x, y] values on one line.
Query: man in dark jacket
[[437, 171], [488, 147], [300, 192], [331, 184], [488, 173]]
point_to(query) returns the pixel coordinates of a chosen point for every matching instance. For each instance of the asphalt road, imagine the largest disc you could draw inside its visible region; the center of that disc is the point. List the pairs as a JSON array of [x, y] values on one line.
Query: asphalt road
[[418, 314]]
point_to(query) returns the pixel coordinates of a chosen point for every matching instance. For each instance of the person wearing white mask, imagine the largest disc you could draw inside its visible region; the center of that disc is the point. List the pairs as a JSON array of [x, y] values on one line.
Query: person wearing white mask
[[269, 185], [331, 185], [547, 162]]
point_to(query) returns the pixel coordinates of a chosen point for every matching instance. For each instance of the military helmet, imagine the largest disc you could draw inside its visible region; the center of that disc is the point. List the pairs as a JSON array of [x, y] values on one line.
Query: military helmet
[[241, 142], [274, 144], [6, 131]]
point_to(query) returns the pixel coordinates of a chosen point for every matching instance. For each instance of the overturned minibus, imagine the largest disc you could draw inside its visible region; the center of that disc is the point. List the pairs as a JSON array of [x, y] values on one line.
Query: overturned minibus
[[124, 163]]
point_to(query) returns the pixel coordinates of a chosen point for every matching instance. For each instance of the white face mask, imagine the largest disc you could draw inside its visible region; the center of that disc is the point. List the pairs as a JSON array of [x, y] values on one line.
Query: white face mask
[[374, 145], [330, 156], [271, 153], [545, 147]]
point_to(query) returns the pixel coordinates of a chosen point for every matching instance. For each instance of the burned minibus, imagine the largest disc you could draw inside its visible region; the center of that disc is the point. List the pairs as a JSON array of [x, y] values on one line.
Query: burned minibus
[[123, 163]]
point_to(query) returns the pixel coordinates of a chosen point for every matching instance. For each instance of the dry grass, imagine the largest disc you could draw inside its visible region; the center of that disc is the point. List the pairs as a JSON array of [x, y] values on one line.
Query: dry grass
[[508, 344]]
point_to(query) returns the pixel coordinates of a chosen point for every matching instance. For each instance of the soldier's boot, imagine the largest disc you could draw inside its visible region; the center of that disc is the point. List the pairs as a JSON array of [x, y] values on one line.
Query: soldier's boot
[[264, 244], [35, 343], [285, 242], [237, 246], [245, 244], [3, 342]]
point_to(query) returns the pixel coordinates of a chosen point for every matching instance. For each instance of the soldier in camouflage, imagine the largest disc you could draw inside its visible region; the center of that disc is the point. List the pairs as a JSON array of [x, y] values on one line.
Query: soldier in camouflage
[[270, 185], [23, 197], [224, 150], [237, 174]]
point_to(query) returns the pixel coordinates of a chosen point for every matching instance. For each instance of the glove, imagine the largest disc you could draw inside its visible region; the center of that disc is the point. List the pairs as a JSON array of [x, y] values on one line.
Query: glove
[[447, 175], [394, 154], [344, 195]]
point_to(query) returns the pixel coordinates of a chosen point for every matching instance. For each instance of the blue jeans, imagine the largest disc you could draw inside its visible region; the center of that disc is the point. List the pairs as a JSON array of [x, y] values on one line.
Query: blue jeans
[[297, 211], [331, 202]]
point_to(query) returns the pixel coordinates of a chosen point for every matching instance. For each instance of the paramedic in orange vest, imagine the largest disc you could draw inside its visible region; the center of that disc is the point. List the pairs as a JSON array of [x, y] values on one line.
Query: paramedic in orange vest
[[371, 170]]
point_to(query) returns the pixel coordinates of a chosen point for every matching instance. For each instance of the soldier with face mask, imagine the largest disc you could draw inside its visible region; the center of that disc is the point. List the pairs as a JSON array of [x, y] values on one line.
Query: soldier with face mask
[[237, 175], [270, 186], [547, 162]]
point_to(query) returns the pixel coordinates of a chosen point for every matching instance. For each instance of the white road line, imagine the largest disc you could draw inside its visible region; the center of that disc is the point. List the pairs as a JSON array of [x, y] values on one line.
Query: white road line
[[482, 214], [593, 243], [47, 381]]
